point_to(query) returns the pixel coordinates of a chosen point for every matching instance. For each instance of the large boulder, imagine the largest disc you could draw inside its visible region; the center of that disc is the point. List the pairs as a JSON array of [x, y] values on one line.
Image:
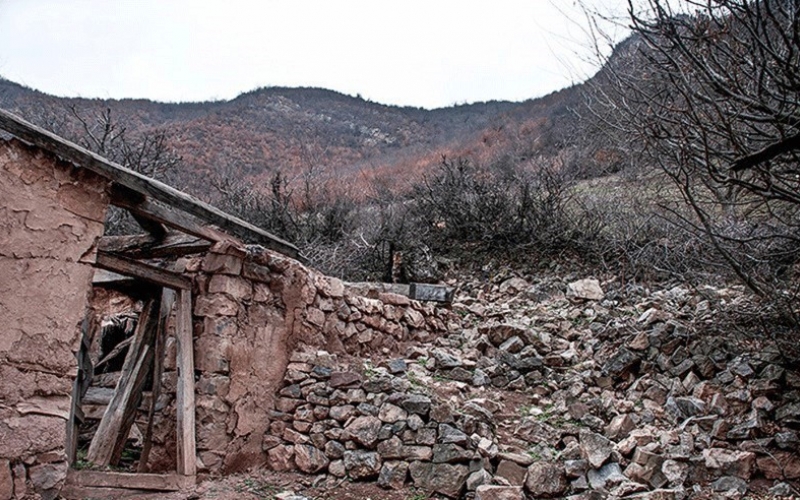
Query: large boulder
[[446, 479]]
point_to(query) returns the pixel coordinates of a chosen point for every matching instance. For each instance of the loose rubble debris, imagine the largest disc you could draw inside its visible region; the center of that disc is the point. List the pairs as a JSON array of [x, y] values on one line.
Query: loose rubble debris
[[553, 391]]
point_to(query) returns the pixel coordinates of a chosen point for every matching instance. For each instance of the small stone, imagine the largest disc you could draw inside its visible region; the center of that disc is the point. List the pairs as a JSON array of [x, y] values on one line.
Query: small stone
[[397, 366], [446, 479], [361, 464], [729, 462], [364, 430], [393, 475], [281, 458], [511, 472], [478, 478], [730, 485], [449, 434], [417, 404], [512, 345], [605, 477], [336, 468], [595, 448], [6, 481], [575, 468], [490, 492], [390, 413], [309, 459], [586, 289], [620, 427]]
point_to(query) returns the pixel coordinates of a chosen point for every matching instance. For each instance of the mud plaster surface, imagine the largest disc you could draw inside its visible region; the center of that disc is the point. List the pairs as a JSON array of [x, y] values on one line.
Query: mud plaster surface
[[51, 215]]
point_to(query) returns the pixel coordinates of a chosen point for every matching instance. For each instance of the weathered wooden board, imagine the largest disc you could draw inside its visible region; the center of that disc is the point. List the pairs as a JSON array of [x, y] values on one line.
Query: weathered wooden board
[[185, 402], [140, 481], [144, 246], [112, 433], [141, 270]]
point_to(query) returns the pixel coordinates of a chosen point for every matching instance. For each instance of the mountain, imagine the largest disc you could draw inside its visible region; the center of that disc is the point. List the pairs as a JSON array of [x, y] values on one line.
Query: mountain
[[297, 130]]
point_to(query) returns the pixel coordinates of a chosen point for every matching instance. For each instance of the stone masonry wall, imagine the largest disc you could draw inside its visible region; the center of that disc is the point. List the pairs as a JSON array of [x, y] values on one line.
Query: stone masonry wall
[[51, 216], [252, 309]]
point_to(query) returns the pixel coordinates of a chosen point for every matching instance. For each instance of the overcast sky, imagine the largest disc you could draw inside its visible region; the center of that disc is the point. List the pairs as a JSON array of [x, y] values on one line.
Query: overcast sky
[[428, 53]]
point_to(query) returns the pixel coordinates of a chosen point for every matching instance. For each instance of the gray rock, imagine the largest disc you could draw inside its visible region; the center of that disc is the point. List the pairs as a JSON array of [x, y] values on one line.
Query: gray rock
[[446, 479], [397, 366], [478, 478], [621, 363], [417, 404], [546, 480], [451, 454], [361, 464], [446, 360], [575, 468], [781, 490], [449, 434], [606, 477], [393, 475], [334, 449], [730, 485]]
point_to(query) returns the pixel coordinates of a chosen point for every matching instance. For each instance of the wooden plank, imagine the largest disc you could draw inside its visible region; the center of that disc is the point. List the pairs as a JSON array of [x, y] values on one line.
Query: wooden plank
[[434, 293], [167, 301], [143, 246], [185, 404], [112, 433], [128, 480], [82, 379], [142, 184], [141, 270]]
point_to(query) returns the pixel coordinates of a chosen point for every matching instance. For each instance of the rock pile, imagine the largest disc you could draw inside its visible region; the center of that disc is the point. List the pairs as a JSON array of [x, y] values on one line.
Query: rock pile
[[578, 393], [376, 423]]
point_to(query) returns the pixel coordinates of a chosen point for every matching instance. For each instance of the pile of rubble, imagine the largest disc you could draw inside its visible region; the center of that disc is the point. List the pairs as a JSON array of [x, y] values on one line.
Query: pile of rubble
[[557, 390]]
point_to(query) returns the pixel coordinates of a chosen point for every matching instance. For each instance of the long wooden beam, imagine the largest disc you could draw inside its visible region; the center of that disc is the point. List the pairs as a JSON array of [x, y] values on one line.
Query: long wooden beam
[[144, 246], [142, 184], [111, 479], [141, 270]]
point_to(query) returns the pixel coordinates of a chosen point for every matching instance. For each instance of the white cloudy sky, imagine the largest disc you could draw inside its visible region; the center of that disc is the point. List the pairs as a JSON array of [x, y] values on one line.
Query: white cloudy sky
[[428, 53]]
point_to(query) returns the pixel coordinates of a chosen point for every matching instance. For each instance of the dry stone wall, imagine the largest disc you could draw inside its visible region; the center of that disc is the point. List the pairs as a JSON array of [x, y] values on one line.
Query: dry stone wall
[[253, 311], [51, 216]]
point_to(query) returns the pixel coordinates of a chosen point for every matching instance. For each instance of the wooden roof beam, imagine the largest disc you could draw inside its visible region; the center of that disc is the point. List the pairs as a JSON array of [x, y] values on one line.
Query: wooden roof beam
[[150, 188]]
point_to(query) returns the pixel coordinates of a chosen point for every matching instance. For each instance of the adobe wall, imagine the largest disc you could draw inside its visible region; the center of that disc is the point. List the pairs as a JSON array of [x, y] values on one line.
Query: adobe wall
[[252, 310], [51, 215]]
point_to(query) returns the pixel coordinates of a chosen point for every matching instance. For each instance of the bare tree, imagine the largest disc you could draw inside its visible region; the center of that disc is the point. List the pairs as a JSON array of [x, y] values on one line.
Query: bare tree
[[710, 91]]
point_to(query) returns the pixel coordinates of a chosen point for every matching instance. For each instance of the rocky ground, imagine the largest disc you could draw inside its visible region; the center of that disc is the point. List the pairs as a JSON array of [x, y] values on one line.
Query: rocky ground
[[549, 388]]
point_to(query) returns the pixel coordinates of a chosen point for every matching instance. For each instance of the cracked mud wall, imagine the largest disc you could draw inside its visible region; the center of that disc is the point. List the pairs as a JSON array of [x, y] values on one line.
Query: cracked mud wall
[[51, 215]]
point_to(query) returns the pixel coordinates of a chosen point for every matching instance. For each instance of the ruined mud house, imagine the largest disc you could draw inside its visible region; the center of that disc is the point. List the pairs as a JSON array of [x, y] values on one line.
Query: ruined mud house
[[175, 340]]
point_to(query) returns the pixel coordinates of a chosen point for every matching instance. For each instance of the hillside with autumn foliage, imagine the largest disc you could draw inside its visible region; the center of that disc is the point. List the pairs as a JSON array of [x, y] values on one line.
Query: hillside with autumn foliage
[[295, 131]]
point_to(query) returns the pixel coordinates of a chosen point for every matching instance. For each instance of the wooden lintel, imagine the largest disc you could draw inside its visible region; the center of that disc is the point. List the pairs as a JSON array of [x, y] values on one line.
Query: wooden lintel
[[137, 182], [141, 270], [144, 246], [127, 480]]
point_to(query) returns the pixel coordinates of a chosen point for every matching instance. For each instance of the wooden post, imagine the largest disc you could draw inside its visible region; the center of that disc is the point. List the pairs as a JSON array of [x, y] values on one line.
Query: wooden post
[[185, 392], [112, 433], [167, 301]]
